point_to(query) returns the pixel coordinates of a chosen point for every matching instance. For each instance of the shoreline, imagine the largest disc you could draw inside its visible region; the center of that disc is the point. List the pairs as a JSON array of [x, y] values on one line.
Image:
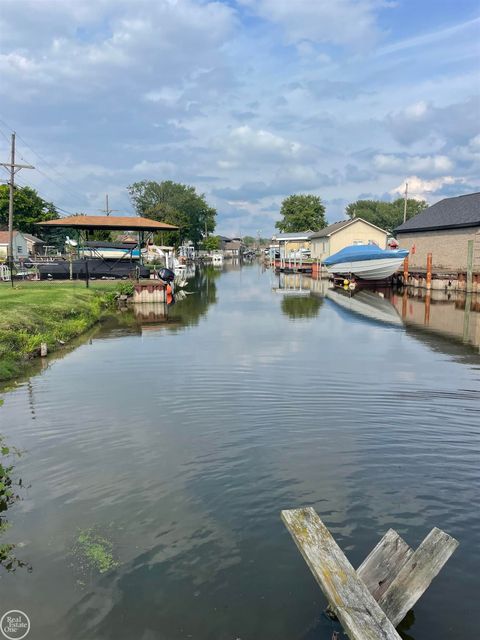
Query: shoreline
[[52, 313]]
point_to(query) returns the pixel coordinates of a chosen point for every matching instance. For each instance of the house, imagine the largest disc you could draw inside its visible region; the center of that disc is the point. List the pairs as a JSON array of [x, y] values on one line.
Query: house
[[20, 245], [292, 244], [34, 244], [339, 235], [444, 230], [233, 248]]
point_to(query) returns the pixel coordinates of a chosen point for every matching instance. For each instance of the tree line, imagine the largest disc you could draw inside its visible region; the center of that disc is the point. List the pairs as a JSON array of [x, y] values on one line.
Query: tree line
[[306, 212], [181, 205]]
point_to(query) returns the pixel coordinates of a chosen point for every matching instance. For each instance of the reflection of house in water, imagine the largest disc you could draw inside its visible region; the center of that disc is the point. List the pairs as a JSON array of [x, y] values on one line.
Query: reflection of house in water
[[291, 283], [450, 315], [301, 296]]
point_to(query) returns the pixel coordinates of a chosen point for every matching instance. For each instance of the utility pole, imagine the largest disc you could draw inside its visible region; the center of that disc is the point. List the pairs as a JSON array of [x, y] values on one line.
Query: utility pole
[[14, 168], [107, 210], [405, 203]]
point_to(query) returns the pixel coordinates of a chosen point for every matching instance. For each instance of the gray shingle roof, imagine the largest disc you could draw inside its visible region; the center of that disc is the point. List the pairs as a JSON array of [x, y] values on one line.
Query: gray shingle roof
[[336, 226], [450, 213]]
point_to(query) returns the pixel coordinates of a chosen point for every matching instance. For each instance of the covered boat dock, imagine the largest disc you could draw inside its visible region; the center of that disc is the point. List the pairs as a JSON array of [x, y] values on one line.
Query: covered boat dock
[[84, 226]]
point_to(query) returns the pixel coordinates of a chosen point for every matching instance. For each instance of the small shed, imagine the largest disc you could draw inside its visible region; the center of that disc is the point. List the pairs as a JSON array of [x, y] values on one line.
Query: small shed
[[444, 230], [339, 235]]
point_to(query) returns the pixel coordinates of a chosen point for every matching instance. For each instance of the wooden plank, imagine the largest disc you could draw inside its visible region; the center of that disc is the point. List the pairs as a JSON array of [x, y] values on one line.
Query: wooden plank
[[416, 574], [355, 607], [382, 565]]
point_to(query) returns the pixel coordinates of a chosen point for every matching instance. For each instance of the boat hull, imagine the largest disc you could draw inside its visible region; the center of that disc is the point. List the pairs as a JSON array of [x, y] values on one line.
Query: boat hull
[[380, 269]]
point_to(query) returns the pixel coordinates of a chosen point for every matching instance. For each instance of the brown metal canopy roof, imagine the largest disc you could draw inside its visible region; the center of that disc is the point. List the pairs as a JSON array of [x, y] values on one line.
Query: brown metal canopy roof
[[125, 223]]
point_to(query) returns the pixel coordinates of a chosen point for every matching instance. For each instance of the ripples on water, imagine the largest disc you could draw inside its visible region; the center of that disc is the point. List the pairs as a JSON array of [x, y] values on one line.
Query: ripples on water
[[183, 440]]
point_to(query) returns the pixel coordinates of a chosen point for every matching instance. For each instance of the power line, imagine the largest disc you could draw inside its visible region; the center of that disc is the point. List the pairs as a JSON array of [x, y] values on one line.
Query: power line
[[42, 159], [20, 183]]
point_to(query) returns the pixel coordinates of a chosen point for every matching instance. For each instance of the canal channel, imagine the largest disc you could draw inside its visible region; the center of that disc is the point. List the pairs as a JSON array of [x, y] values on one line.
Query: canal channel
[[158, 454]]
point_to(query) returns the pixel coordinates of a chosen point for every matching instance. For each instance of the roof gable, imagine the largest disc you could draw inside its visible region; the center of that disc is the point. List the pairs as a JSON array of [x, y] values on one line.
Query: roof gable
[[338, 226], [449, 213], [295, 235]]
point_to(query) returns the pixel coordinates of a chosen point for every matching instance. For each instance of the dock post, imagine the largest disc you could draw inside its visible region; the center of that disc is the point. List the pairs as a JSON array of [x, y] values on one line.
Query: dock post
[[428, 280], [405, 271], [469, 283]]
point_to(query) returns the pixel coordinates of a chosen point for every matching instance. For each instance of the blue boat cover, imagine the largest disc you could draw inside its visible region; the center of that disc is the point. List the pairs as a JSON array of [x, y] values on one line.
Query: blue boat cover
[[356, 252]]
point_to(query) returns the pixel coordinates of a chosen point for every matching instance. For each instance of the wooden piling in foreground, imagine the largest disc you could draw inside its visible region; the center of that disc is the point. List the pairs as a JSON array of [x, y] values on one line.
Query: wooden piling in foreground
[[353, 604], [372, 601]]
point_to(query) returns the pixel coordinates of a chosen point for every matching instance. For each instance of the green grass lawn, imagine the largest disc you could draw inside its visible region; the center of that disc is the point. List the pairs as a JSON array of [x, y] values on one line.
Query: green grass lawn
[[51, 312]]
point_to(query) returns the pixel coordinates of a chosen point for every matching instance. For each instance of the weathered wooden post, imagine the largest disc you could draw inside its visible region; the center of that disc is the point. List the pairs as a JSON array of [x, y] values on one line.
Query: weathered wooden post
[[405, 271], [373, 600], [428, 281], [469, 283]]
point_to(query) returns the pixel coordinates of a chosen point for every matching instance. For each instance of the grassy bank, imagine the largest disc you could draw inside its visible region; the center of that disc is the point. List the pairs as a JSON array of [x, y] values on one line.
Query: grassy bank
[[50, 312]]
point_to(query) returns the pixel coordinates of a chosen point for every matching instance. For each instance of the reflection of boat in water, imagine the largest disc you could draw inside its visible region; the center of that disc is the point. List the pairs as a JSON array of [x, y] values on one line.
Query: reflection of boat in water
[[369, 304], [217, 258], [367, 262]]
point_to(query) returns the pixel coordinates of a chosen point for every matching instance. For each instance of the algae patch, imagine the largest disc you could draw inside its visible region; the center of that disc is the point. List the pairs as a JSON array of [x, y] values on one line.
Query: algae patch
[[93, 552]]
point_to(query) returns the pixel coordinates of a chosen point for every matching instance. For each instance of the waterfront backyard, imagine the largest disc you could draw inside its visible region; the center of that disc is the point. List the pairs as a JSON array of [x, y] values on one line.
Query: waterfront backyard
[[159, 453]]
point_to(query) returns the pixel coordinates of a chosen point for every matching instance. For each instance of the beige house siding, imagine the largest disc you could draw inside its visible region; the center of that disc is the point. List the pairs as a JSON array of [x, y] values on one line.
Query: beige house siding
[[448, 247], [320, 248], [358, 232]]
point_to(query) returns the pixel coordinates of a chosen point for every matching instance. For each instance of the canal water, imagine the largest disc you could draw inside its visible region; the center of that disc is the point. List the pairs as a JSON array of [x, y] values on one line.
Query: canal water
[[159, 453]]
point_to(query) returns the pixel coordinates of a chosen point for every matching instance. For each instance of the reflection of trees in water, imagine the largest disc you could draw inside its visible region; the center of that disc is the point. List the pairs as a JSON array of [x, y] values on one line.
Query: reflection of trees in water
[[301, 306], [202, 292]]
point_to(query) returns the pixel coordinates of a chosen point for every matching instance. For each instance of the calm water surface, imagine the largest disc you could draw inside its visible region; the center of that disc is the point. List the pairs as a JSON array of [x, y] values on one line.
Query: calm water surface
[[180, 439]]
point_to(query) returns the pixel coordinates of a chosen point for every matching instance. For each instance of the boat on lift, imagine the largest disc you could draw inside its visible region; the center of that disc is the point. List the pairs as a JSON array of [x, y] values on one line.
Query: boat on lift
[[365, 262]]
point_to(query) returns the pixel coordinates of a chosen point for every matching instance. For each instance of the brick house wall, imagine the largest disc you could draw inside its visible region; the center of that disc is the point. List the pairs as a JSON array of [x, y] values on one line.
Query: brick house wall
[[447, 246]]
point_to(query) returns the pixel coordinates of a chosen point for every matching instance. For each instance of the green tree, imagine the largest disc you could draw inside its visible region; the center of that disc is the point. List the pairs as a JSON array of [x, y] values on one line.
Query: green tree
[[28, 208], [177, 204], [301, 212], [386, 215], [249, 241], [212, 243]]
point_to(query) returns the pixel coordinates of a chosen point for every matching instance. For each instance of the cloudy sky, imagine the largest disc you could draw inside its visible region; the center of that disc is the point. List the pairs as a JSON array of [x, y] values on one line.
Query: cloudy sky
[[247, 100]]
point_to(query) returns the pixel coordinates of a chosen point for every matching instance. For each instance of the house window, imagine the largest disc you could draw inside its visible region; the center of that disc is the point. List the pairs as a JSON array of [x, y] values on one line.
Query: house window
[[19, 249]]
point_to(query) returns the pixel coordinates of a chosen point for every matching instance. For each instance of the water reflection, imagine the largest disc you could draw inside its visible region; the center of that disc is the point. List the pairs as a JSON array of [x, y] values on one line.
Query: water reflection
[[372, 305], [451, 315], [297, 306], [187, 444]]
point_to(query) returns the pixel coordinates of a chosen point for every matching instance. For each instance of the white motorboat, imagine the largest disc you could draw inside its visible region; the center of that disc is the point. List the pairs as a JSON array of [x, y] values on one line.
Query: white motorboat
[[366, 262]]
